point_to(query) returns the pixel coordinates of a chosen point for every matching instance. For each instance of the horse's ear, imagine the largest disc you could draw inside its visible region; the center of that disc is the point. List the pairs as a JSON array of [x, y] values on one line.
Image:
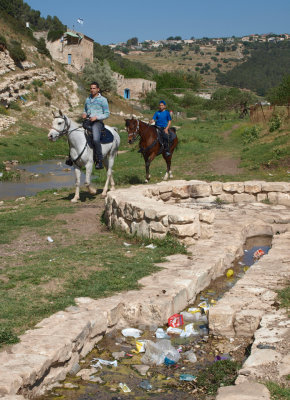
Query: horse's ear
[[60, 113]]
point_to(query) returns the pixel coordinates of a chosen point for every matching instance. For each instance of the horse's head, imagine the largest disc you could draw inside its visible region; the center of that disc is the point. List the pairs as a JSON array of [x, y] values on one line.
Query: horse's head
[[132, 127], [60, 126]]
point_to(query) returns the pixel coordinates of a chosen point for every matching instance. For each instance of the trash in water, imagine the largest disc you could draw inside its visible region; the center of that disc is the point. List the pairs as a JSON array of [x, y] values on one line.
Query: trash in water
[[131, 332], [127, 244], [151, 246], [222, 357], [156, 352], [188, 331], [175, 320], [140, 346], [104, 362], [230, 273], [204, 305], [49, 239], [146, 385], [174, 331], [190, 356], [160, 334], [169, 362], [187, 377], [124, 387], [258, 254]]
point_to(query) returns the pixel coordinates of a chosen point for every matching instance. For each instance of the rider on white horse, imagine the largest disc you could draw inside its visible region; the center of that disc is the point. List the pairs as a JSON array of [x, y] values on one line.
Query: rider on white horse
[[96, 109]]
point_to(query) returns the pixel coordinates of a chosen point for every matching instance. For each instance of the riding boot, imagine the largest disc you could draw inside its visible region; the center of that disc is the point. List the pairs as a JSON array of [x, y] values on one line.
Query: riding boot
[[166, 147]]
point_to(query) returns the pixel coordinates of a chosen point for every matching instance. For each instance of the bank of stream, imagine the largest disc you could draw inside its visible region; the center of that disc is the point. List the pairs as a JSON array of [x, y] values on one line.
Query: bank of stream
[[183, 379]]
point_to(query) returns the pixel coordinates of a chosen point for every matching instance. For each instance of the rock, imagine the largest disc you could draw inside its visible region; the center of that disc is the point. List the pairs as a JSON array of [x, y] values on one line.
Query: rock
[[181, 218], [244, 198], [216, 188], [86, 373], [247, 321], [157, 227], [142, 368], [226, 197], [181, 192], [253, 187], [244, 391], [200, 190], [206, 216], [184, 230], [20, 199], [118, 354], [260, 357], [70, 385], [262, 196], [276, 187], [233, 187], [75, 369]]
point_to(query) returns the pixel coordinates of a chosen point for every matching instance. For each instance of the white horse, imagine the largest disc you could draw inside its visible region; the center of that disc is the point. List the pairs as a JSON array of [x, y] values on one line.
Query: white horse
[[81, 152]]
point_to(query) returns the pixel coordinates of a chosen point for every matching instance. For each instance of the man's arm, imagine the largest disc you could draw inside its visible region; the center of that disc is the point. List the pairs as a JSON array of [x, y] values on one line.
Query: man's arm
[[168, 124], [153, 120], [85, 112]]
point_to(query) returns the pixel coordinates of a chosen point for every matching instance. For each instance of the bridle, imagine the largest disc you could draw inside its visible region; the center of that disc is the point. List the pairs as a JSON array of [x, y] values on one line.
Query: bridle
[[132, 136]]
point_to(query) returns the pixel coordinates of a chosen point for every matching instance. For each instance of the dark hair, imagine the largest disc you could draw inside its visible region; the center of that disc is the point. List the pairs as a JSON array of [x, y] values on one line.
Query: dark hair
[[95, 83]]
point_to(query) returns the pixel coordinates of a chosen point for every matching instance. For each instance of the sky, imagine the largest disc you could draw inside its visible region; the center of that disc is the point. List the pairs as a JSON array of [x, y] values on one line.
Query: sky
[[113, 21]]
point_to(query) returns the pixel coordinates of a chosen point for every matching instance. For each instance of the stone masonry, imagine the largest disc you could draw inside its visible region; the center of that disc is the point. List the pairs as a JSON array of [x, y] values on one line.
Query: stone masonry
[[48, 352]]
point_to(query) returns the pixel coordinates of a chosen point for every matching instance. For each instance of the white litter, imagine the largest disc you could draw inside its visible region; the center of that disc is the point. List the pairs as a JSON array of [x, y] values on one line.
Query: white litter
[[175, 331], [124, 387], [127, 244], [131, 332], [188, 331], [160, 334], [104, 362], [150, 246], [49, 239]]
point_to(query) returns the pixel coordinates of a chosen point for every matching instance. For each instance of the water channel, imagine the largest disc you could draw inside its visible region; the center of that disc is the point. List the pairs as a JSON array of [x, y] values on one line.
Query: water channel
[[35, 177], [163, 381]]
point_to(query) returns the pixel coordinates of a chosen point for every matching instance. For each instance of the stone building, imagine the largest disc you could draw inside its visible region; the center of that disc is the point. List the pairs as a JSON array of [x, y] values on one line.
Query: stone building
[[73, 49], [133, 88]]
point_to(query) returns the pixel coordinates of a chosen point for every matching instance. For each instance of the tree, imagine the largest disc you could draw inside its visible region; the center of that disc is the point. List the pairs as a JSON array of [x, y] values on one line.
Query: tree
[[280, 95], [132, 42], [101, 72], [42, 49]]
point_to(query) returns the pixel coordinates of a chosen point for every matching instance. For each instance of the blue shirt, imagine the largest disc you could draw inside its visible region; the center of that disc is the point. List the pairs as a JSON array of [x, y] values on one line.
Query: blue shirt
[[161, 118], [97, 107]]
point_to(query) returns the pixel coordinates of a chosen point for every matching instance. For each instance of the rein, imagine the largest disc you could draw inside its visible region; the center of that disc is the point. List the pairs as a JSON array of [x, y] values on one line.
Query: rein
[[67, 132]]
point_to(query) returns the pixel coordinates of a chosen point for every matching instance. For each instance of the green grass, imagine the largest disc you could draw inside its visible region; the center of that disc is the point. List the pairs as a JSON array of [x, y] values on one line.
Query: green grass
[[30, 144], [284, 297], [37, 283], [278, 392], [220, 373]]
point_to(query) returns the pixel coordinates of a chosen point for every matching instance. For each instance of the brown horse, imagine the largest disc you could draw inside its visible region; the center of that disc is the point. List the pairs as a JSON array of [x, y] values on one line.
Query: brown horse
[[149, 144]]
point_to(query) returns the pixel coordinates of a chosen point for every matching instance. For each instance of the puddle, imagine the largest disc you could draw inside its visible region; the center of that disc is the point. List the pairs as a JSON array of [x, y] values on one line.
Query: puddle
[[35, 177], [165, 380]]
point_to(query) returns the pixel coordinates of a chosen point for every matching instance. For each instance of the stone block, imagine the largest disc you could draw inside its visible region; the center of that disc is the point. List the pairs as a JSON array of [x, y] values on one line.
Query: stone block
[[140, 229], [246, 322], [184, 230], [165, 196], [157, 235], [121, 224], [157, 227], [150, 213], [244, 391], [200, 190], [253, 186], [283, 199], [221, 318], [181, 192], [216, 187], [226, 197], [276, 187], [181, 218], [262, 196], [207, 216], [262, 357], [206, 231], [10, 382], [138, 214], [244, 198], [233, 187]]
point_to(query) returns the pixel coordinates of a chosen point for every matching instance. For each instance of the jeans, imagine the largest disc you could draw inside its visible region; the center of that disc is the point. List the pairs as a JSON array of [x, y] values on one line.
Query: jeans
[[97, 127], [165, 138]]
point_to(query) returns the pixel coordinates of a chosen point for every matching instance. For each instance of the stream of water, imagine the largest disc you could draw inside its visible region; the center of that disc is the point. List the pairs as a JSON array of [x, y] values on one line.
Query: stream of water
[[35, 177]]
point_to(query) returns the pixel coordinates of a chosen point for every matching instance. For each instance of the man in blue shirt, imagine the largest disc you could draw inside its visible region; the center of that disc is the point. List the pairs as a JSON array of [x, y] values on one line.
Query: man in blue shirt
[[96, 109], [162, 119]]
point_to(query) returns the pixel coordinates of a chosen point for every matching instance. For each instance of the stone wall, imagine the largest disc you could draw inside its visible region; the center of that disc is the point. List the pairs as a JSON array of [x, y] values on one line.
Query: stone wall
[[153, 212], [6, 62], [137, 86], [11, 88]]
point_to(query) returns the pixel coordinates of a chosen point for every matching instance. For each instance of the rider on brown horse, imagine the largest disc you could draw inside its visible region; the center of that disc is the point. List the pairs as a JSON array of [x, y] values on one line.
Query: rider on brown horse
[[162, 119]]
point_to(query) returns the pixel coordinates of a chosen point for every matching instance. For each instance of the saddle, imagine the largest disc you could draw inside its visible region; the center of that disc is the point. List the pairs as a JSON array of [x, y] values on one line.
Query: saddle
[[161, 135], [106, 134]]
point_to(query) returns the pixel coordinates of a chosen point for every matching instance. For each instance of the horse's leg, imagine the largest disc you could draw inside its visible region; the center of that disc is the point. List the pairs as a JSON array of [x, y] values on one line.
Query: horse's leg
[[77, 184], [168, 173], [105, 190], [148, 161], [89, 168]]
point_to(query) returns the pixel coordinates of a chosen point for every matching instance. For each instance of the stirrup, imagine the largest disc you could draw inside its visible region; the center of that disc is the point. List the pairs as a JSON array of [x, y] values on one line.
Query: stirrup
[[99, 165], [69, 162]]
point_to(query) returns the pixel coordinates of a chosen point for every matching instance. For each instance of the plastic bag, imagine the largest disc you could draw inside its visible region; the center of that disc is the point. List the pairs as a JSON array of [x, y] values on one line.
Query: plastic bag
[[175, 331], [188, 331], [131, 332], [104, 362], [156, 352], [160, 334], [190, 356]]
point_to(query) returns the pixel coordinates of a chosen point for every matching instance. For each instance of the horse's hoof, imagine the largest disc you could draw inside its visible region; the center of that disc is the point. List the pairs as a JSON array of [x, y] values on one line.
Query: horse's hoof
[[92, 191], [103, 195], [74, 200], [146, 181]]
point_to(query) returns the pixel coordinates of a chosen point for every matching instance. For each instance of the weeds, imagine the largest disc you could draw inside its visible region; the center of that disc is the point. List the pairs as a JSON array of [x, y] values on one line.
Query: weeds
[[251, 134], [278, 392], [7, 337]]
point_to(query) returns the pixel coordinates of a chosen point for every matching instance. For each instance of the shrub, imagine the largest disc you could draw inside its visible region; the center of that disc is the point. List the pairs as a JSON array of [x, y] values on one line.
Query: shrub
[[275, 123], [47, 94], [41, 48], [3, 110], [16, 52], [251, 134], [100, 72], [3, 41], [37, 83]]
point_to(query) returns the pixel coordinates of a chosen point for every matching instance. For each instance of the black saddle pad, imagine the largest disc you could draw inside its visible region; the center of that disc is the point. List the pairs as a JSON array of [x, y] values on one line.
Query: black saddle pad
[[106, 136]]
